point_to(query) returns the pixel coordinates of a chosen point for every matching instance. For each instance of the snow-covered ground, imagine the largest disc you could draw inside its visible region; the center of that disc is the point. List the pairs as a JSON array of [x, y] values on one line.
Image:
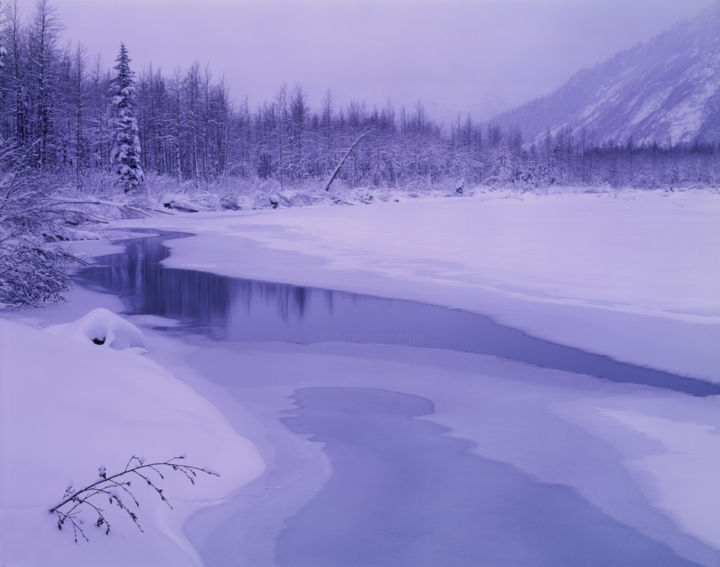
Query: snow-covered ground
[[68, 407], [633, 274]]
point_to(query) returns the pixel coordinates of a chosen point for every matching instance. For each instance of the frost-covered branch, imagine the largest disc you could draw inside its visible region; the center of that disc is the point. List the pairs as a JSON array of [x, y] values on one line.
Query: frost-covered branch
[[32, 269], [117, 489]]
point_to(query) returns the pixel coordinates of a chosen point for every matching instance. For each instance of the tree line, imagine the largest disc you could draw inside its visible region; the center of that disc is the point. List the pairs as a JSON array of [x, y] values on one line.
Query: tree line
[[60, 107]]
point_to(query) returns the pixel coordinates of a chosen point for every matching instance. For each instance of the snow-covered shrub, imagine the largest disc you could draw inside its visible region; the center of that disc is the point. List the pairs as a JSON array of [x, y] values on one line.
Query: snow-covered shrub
[[99, 183], [102, 327], [32, 218], [31, 273]]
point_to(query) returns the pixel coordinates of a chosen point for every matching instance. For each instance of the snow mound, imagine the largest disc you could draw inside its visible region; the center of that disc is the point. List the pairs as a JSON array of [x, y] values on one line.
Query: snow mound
[[50, 397], [102, 327]]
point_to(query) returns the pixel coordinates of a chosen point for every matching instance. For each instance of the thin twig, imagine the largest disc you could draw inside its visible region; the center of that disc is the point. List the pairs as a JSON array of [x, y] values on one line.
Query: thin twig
[[68, 510]]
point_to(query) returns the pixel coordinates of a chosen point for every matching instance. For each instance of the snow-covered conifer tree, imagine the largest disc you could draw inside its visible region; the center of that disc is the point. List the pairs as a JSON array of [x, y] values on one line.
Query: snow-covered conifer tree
[[125, 155]]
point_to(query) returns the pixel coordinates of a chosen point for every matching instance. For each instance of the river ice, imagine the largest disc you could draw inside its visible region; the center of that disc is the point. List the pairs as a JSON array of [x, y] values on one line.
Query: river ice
[[552, 427], [404, 492]]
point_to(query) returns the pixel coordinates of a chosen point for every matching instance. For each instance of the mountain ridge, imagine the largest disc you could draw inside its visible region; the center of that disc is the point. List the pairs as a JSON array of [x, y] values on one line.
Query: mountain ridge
[[665, 90]]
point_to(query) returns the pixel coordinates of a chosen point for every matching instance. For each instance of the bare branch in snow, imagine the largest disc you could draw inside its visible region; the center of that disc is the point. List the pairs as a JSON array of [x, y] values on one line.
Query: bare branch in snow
[[118, 491]]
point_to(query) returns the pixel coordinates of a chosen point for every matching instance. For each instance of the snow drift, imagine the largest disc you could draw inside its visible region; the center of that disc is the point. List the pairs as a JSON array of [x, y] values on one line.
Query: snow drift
[[59, 423]]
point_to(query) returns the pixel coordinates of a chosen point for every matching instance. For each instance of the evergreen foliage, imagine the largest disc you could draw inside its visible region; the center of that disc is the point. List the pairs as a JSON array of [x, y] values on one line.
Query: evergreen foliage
[[125, 153]]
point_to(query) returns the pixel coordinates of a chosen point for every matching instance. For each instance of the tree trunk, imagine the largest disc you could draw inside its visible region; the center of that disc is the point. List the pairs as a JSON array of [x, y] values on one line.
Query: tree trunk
[[342, 161]]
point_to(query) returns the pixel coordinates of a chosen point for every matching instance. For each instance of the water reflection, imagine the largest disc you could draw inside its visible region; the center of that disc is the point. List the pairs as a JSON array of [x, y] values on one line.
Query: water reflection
[[228, 308], [249, 310], [196, 298]]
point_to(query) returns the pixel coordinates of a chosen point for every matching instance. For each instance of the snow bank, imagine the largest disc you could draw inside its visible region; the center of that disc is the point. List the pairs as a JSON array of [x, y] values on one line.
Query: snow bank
[[59, 423], [633, 275], [102, 327], [685, 470], [641, 252]]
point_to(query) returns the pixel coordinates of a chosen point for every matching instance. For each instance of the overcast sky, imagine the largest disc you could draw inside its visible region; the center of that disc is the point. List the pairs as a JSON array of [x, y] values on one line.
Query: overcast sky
[[456, 55]]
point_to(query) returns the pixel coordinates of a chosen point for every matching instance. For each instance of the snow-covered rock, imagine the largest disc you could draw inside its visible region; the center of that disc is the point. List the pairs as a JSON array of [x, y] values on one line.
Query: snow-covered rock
[[102, 327]]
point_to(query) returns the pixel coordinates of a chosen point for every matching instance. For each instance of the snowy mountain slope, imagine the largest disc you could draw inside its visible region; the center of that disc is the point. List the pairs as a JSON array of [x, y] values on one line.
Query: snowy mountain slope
[[664, 90]]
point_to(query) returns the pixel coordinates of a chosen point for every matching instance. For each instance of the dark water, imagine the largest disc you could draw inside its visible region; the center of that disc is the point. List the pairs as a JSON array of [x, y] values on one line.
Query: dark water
[[404, 493], [249, 310]]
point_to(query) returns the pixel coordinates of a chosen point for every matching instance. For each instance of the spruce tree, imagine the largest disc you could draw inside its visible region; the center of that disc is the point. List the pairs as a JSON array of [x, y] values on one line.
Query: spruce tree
[[125, 154]]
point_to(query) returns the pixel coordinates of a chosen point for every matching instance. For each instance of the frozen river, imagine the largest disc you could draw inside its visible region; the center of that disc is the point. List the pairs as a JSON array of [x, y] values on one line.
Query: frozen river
[[234, 309], [398, 489], [403, 492]]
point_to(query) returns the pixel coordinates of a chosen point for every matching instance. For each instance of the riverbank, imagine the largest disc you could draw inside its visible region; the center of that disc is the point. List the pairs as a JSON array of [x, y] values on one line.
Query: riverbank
[[69, 407]]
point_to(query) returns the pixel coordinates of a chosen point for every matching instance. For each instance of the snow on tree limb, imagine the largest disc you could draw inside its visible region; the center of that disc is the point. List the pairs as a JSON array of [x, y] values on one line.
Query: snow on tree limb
[[125, 153]]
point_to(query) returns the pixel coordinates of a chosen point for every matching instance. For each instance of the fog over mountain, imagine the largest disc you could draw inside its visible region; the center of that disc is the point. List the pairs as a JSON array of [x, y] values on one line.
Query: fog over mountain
[[457, 56], [665, 90]]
